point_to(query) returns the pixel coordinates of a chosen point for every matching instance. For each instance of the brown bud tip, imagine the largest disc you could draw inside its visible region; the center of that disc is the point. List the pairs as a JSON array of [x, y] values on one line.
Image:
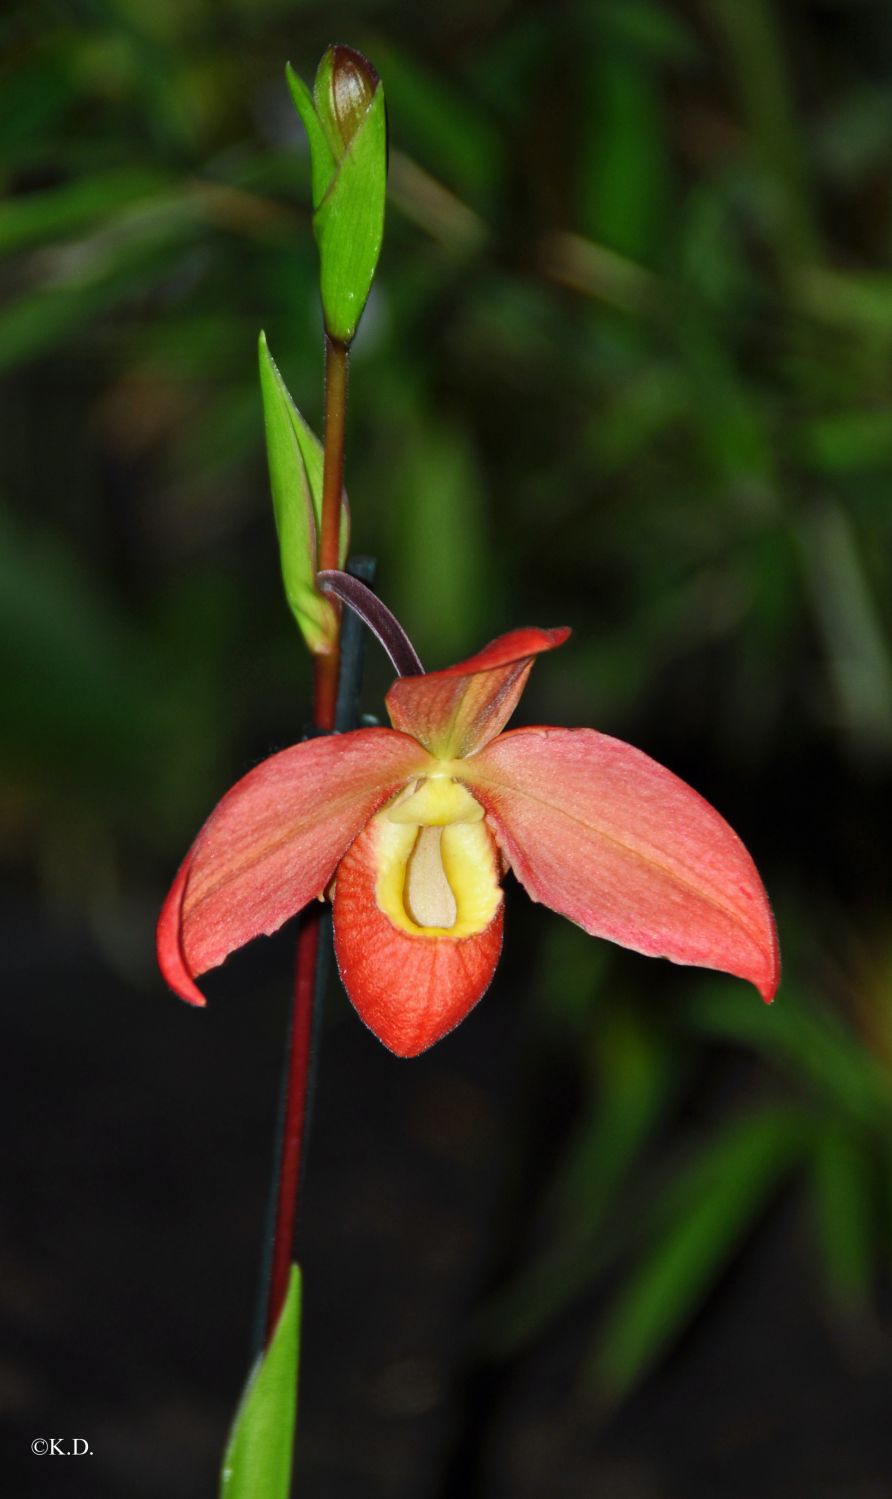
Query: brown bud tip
[[353, 84]]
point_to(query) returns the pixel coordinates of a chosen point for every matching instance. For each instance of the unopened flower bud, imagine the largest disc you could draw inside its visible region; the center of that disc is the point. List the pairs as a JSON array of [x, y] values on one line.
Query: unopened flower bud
[[351, 82], [347, 128]]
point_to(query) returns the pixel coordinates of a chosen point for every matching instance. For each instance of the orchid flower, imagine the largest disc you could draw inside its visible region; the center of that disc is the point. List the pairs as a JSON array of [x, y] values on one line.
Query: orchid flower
[[410, 829]]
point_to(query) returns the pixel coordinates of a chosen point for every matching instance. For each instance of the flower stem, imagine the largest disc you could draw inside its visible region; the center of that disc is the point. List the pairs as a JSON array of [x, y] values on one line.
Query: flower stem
[[325, 676], [294, 1115], [309, 971]]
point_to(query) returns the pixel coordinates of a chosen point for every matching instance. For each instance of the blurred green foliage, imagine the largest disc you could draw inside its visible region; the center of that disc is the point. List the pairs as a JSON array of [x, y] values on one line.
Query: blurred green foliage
[[626, 365]]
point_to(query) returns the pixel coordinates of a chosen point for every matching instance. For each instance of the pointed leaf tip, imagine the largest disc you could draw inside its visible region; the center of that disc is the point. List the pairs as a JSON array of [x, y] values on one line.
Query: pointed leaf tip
[[258, 1454]]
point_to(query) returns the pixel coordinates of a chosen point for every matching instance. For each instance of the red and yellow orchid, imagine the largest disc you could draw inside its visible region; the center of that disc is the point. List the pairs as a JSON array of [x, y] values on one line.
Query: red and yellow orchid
[[410, 829]]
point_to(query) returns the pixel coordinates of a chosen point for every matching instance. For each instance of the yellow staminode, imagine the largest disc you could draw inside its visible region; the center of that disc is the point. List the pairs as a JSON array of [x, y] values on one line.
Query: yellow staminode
[[438, 875]]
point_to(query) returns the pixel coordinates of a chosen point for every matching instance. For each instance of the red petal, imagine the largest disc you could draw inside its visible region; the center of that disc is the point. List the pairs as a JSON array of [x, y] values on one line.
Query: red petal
[[272, 844], [606, 836], [410, 990], [454, 712]]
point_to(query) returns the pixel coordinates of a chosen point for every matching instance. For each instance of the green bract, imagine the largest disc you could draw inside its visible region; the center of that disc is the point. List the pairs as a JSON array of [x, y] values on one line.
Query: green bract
[[345, 121], [295, 470], [258, 1454]]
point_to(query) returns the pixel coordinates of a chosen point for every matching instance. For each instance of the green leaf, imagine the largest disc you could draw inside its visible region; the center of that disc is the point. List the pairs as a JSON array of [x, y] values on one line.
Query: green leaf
[[258, 1454], [441, 125], [76, 673], [753, 36], [349, 224], [61, 212], [51, 313], [33, 98], [638, 1073], [623, 178], [443, 580], [295, 469], [845, 1206], [648, 28], [859, 300], [696, 1227], [813, 1044], [848, 441]]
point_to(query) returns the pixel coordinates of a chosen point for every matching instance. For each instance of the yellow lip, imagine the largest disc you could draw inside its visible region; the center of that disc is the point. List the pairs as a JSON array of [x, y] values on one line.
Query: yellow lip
[[438, 874]]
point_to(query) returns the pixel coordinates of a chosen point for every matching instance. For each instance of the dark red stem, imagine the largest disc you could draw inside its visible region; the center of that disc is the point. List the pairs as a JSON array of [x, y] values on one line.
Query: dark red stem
[[326, 668], [326, 675], [295, 1120]]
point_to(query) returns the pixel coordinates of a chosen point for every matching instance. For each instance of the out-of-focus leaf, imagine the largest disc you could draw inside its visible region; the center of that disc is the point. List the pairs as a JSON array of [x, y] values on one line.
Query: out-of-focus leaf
[[429, 204], [755, 50], [728, 417], [295, 469], [623, 162], [706, 1211], [31, 97], [848, 441], [810, 1043], [601, 273], [855, 134], [89, 277], [710, 250], [844, 1198], [635, 414], [76, 693], [648, 25], [858, 655], [62, 211], [637, 1074], [438, 123], [442, 581], [851, 299], [257, 1462]]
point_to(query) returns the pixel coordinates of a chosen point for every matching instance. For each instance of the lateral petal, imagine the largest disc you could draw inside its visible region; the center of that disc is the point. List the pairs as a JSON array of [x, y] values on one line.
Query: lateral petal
[[455, 711], [604, 835], [409, 989], [273, 843]]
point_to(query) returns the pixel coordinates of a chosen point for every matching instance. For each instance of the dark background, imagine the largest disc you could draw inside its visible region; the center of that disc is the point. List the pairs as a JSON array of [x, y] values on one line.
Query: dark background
[[627, 1232]]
